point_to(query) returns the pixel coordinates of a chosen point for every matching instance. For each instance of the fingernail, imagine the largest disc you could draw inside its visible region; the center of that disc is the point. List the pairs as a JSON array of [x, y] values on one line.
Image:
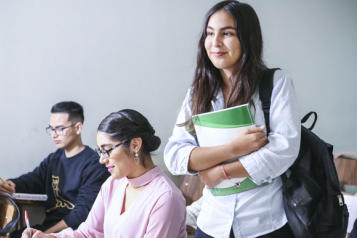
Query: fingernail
[[262, 127]]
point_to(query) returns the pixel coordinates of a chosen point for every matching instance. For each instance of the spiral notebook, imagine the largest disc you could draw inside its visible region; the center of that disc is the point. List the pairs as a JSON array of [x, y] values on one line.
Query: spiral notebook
[[29, 196]]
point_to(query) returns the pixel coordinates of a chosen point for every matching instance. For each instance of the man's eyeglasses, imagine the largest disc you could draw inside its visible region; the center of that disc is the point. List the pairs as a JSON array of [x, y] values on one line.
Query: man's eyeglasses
[[58, 131], [105, 153]]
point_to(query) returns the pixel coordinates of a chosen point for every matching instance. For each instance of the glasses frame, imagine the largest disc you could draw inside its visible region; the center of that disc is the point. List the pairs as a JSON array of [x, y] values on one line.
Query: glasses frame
[[105, 153], [55, 130]]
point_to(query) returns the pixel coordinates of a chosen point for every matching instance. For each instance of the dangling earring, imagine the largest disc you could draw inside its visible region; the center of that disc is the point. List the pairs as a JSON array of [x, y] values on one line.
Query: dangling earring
[[136, 158]]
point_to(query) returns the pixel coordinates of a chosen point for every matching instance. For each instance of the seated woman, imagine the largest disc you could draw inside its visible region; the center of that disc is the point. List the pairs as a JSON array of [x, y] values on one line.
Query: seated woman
[[138, 200]]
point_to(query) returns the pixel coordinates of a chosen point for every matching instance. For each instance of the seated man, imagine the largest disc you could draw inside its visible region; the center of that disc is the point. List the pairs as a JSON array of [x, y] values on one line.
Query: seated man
[[71, 176]]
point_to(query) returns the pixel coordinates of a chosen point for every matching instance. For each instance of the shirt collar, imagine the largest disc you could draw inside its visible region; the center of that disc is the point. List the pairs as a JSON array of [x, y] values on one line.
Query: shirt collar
[[218, 95], [145, 178]]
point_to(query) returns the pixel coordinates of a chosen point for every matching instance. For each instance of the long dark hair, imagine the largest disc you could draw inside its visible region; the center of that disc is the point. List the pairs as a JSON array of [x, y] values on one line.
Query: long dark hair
[[247, 72], [127, 124]]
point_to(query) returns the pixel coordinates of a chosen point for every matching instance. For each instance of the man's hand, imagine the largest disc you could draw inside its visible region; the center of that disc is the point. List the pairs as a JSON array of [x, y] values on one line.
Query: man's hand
[[212, 176], [10, 188]]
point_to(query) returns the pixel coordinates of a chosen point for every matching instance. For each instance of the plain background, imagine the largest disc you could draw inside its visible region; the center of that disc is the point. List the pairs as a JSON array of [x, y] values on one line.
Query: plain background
[[111, 55]]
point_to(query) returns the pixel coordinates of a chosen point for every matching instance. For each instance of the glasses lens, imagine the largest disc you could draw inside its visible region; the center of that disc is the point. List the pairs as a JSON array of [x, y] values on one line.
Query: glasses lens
[[59, 131], [102, 152], [49, 130]]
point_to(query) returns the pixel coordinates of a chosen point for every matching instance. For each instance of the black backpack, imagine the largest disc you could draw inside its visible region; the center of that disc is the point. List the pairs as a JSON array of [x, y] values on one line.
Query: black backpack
[[313, 202]]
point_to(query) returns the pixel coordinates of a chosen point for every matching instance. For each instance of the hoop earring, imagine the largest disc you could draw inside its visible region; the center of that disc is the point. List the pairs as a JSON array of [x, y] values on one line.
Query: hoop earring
[[136, 158]]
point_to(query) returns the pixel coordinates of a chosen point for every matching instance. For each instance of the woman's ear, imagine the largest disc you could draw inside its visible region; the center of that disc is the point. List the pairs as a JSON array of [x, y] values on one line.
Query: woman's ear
[[78, 127], [136, 144]]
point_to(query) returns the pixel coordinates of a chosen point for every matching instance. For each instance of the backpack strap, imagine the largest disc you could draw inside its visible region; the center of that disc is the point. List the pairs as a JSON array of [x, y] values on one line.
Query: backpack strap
[[306, 117], [265, 91]]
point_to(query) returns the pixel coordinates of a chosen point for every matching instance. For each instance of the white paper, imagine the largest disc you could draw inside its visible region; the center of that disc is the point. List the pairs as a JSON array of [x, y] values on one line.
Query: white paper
[[208, 137], [28, 196]]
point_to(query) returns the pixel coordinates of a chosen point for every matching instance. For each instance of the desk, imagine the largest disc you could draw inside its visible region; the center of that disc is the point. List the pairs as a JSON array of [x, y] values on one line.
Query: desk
[[20, 204]]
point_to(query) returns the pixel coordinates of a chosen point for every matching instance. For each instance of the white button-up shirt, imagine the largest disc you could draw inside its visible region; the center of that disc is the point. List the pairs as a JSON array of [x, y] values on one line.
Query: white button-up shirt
[[258, 211]]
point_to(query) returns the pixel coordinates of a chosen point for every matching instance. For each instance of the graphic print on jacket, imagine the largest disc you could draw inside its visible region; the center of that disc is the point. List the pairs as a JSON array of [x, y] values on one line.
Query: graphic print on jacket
[[60, 202]]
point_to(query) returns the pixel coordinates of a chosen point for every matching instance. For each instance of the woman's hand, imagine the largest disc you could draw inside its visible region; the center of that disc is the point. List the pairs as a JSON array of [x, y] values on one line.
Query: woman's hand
[[10, 188], [212, 176], [35, 234], [248, 141]]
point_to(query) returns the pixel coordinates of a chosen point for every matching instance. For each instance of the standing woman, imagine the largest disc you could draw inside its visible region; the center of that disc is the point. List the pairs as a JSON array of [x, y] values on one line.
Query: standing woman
[[228, 72], [138, 200]]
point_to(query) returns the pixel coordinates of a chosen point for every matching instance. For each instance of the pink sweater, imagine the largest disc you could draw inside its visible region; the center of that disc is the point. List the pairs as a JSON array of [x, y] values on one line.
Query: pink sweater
[[158, 211]]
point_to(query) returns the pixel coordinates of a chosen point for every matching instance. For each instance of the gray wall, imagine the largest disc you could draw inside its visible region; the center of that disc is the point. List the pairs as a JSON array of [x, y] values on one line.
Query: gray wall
[[111, 55]]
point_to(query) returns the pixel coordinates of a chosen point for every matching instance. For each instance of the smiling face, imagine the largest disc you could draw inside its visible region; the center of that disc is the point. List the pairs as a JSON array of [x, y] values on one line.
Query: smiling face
[[69, 135], [222, 44], [120, 164]]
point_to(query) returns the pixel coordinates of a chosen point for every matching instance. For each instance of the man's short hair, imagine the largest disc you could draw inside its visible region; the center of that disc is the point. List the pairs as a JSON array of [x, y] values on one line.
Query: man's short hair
[[74, 110]]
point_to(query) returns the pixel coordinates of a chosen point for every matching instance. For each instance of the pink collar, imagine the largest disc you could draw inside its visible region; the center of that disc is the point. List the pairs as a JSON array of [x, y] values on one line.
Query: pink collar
[[145, 178]]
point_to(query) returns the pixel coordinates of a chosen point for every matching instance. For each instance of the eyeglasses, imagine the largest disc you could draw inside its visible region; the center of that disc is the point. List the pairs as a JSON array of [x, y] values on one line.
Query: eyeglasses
[[105, 153], [58, 131]]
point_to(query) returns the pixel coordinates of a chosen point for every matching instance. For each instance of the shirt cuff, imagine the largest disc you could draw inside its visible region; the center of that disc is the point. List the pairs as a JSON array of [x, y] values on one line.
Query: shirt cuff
[[68, 232], [183, 168], [249, 162]]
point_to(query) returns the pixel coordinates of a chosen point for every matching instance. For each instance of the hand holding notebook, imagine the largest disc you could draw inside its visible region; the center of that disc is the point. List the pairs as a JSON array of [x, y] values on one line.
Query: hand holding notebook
[[222, 127]]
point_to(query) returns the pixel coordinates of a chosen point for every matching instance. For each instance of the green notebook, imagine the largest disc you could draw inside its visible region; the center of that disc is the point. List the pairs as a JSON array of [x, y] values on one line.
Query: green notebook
[[221, 127]]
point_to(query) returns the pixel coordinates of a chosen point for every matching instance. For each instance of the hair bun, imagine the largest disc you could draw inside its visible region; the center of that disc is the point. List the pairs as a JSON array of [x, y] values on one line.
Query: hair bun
[[153, 143]]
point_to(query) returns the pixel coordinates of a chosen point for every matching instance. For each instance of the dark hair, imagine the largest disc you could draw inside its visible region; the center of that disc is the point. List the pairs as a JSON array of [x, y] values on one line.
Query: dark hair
[[128, 124], [74, 110], [247, 72]]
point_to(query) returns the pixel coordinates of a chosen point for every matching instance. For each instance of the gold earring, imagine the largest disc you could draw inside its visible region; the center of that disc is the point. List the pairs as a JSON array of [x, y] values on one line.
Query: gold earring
[[136, 158]]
